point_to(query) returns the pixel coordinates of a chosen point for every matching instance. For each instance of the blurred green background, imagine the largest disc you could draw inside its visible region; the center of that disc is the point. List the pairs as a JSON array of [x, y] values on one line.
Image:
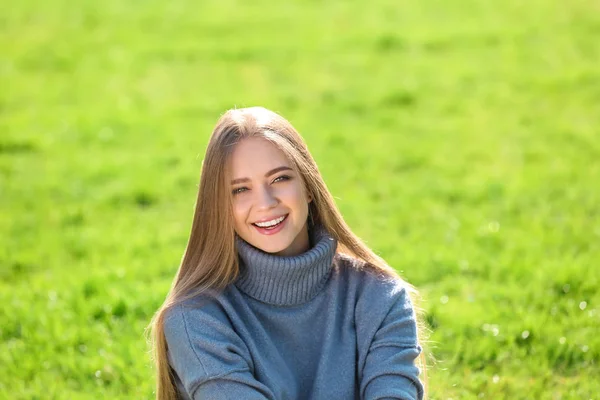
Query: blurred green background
[[460, 139]]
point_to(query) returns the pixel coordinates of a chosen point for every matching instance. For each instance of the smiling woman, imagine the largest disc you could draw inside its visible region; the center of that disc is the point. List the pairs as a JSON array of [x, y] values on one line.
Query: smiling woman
[[275, 297], [270, 205]]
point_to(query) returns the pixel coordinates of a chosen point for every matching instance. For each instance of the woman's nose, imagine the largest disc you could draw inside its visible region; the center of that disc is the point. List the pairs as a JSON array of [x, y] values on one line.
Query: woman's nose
[[266, 198]]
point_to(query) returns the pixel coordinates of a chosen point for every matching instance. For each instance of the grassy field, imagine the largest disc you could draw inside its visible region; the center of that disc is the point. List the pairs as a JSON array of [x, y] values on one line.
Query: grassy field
[[461, 140]]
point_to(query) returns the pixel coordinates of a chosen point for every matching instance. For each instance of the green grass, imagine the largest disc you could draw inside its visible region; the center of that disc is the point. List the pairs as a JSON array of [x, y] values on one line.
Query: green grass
[[461, 140]]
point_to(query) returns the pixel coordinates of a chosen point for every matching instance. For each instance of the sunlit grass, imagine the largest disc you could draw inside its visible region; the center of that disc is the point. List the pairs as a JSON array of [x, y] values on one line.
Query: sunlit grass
[[460, 140]]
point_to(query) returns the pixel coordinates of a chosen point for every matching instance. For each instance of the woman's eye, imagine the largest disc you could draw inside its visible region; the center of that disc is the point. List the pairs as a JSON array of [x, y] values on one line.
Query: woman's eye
[[281, 178], [239, 190]]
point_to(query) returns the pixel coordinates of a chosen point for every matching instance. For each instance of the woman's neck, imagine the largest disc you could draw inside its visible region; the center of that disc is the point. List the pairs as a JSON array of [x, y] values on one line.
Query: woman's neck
[[286, 280]]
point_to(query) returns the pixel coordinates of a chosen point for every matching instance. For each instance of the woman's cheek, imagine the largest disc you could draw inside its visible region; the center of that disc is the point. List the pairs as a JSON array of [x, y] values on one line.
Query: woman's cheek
[[240, 210], [292, 194]]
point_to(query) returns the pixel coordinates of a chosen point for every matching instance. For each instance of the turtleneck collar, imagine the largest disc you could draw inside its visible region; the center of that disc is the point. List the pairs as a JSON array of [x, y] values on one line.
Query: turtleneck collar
[[286, 281]]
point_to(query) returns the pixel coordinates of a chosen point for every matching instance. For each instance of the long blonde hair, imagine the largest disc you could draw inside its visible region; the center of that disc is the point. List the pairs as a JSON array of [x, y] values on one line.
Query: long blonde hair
[[210, 260]]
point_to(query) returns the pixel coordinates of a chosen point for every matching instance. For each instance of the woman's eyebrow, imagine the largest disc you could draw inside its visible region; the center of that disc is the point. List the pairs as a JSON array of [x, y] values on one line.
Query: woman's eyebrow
[[271, 172]]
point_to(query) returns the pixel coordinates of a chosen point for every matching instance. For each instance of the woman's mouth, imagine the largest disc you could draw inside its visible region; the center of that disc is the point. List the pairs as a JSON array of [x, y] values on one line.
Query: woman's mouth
[[272, 226]]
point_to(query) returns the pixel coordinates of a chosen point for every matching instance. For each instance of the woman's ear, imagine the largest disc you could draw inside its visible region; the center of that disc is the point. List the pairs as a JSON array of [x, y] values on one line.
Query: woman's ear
[[309, 197]]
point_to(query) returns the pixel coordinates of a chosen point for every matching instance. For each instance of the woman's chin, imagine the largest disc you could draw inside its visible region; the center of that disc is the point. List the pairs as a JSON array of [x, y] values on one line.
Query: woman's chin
[[282, 243]]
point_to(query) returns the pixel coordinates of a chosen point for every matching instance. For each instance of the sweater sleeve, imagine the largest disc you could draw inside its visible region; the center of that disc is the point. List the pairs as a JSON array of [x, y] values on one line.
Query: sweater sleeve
[[211, 361], [389, 371]]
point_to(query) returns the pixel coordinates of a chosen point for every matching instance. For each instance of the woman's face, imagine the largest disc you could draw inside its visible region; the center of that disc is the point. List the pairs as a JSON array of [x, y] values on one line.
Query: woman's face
[[270, 205]]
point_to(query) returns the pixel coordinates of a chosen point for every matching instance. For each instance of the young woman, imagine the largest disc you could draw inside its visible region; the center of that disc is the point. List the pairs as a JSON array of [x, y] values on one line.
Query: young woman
[[275, 297]]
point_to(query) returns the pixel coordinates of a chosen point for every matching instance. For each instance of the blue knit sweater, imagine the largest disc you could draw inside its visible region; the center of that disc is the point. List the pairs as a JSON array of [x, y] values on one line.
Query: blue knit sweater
[[312, 326]]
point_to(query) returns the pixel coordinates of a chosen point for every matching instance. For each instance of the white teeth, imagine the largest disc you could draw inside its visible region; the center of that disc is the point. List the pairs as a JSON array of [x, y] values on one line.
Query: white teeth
[[270, 223]]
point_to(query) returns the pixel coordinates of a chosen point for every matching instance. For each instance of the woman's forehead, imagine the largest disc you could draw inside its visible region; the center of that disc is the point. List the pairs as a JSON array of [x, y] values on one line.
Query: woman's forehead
[[256, 156]]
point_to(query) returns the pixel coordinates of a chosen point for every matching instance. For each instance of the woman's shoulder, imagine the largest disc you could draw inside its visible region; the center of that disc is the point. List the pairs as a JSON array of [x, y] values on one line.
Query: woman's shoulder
[[376, 291], [368, 278], [382, 299], [202, 308]]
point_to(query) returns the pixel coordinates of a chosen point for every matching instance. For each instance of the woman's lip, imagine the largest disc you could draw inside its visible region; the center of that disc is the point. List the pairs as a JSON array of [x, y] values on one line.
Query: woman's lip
[[272, 231], [269, 219]]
